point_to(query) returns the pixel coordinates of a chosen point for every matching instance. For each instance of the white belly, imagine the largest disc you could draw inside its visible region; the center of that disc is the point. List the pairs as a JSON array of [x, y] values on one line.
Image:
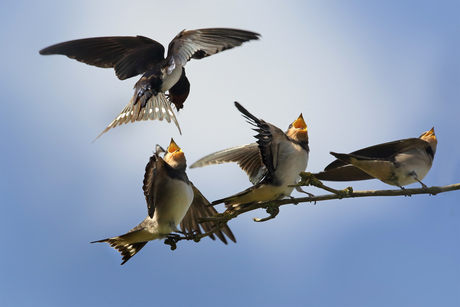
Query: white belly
[[412, 161], [171, 79], [171, 212], [295, 161]]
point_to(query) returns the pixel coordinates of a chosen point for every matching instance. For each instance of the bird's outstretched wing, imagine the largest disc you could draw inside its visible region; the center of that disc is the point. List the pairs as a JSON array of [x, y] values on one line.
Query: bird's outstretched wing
[[265, 134], [343, 173], [247, 156], [128, 55], [201, 43], [151, 169]]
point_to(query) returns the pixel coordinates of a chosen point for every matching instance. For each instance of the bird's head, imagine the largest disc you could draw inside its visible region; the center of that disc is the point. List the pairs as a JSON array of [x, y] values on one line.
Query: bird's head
[[298, 130], [430, 137], [174, 155]]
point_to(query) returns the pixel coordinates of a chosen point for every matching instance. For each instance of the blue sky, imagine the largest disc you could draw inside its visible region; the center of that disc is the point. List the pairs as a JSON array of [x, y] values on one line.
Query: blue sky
[[361, 72]]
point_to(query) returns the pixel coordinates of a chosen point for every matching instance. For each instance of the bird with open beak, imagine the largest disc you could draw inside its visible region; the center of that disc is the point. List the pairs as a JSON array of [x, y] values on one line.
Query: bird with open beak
[[134, 55], [397, 163], [273, 164], [172, 200]]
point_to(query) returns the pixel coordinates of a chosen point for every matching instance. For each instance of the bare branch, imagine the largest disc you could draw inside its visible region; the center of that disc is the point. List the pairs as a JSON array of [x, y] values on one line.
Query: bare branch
[[272, 207]]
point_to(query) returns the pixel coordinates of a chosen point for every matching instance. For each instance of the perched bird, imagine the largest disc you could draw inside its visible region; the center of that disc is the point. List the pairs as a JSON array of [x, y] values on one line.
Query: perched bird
[[134, 55], [272, 164], [397, 163], [171, 200]]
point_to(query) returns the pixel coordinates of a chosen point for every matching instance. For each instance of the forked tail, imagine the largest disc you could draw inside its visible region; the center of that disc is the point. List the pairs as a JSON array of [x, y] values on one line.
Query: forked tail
[[157, 107]]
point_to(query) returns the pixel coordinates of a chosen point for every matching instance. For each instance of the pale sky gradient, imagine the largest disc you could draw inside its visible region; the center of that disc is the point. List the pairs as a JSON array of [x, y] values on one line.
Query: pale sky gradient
[[361, 72]]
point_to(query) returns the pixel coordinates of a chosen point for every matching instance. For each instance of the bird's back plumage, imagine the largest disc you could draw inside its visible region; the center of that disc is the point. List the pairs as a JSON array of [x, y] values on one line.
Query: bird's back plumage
[[398, 163]]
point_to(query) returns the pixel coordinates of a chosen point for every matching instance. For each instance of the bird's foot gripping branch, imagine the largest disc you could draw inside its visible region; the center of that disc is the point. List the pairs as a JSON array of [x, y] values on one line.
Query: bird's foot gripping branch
[[307, 179]]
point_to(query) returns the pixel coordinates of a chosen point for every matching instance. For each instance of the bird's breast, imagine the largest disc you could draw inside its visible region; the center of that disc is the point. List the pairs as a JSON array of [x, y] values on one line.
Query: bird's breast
[[292, 160], [171, 79], [416, 161], [172, 209]]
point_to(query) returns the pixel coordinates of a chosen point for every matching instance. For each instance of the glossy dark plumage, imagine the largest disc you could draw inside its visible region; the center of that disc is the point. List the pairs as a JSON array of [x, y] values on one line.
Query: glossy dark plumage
[[272, 164], [131, 56], [397, 163]]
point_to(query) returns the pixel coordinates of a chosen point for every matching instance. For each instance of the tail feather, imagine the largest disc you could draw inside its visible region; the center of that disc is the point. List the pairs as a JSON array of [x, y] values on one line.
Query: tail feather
[[228, 200], [126, 250], [156, 107], [135, 113], [145, 115]]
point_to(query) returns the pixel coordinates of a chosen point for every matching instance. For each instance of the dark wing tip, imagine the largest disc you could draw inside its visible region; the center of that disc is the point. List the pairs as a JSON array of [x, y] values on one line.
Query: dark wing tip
[[333, 153], [217, 202], [53, 49], [230, 32], [247, 114], [44, 51], [343, 173], [336, 163], [100, 241], [341, 156], [240, 107]]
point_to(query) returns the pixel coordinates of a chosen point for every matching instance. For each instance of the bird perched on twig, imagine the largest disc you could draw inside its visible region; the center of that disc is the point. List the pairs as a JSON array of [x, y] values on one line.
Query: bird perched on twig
[[134, 55], [397, 163], [272, 164], [171, 200]]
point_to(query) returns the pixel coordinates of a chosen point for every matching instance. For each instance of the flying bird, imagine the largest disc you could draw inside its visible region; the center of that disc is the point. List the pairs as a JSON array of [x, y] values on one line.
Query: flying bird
[[134, 55], [397, 163], [172, 200], [272, 164]]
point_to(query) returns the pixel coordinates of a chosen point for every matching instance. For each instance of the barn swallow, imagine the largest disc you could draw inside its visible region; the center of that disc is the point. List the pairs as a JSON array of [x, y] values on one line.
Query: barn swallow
[[134, 55], [397, 163], [171, 200], [272, 164]]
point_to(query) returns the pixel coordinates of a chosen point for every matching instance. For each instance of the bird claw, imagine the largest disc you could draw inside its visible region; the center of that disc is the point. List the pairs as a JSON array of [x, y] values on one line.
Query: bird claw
[[191, 236], [294, 200], [172, 240], [424, 187], [406, 193], [299, 189], [309, 179]]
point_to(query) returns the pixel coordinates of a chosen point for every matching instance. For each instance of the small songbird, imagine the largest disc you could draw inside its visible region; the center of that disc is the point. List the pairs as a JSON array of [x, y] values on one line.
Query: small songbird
[[134, 55], [397, 163], [272, 164], [171, 200]]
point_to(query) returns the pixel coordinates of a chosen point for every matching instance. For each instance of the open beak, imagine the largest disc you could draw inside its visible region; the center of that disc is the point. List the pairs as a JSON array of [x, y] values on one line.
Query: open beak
[[429, 134], [299, 123], [173, 147]]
